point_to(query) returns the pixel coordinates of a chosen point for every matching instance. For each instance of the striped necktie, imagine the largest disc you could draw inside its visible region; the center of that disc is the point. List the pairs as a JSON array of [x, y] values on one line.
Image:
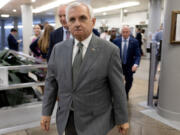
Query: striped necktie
[[67, 34], [124, 59], [77, 62]]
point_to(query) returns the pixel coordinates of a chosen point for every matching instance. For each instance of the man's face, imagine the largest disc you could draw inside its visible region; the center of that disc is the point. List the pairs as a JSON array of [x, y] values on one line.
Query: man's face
[[80, 23], [14, 33], [125, 32], [62, 16]]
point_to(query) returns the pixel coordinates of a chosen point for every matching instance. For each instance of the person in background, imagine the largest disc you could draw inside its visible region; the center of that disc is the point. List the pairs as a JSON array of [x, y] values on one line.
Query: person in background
[[61, 33], [105, 35], [158, 39], [37, 32], [144, 41], [113, 35], [86, 74], [40, 46], [139, 38], [130, 55], [159, 35], [43, 26], [12, 41]]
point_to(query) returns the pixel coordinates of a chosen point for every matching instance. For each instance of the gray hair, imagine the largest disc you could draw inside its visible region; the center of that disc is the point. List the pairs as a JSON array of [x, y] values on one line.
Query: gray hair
[[76, 4], [126, 27], [61, 6]]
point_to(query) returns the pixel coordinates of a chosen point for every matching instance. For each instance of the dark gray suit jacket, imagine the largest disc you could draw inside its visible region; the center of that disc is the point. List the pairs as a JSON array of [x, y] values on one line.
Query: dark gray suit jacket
[[98, 96]]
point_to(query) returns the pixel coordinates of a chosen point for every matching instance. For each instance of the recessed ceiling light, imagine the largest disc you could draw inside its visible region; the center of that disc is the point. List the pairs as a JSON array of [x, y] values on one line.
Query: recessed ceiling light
[[114, 7], [104, 13], [51, 5], [14, 10], [33, 1], [4, 2], [5, 15], [125, 10]]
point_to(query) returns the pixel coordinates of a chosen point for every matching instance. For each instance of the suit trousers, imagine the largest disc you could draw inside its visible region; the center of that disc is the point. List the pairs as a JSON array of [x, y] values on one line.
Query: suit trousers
[[128, 74], [70, 127]]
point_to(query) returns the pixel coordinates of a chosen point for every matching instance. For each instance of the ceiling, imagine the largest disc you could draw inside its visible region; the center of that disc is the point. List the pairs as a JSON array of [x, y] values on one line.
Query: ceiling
[[16, 4]]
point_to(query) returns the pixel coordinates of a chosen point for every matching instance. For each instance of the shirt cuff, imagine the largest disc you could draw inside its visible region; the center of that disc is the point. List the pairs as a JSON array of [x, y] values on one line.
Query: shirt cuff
[[136, 65]]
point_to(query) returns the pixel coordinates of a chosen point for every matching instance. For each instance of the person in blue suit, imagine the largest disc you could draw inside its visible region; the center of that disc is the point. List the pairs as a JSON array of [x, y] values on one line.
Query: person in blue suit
[[130, 56], [12, 42]]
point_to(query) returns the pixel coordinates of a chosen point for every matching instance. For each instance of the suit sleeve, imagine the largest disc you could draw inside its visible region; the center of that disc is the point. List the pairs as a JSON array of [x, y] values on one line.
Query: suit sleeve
[[115, 77], [51, 88], [137, 56], [117, 43]]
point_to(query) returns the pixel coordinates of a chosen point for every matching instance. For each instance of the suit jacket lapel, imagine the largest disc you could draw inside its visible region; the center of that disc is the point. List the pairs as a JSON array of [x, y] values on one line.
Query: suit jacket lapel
[[129, 46], [121, 47], [89, 59], [61, 32]]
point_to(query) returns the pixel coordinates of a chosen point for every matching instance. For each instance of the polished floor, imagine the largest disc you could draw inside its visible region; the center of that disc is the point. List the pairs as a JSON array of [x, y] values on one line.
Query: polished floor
[[140, 124]]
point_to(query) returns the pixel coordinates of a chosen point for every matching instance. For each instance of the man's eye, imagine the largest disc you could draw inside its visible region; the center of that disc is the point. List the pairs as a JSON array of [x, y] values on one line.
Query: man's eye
[[62, 16], [83, 18], [72, 20]]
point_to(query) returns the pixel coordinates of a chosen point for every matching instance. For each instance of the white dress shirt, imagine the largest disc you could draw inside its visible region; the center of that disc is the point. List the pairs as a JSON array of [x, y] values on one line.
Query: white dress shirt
[[64, 34], [122, 44], [84, 49]]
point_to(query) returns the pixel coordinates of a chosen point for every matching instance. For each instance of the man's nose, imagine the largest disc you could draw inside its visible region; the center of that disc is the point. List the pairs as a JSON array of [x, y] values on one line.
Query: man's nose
[[63, 17], [77, 23]]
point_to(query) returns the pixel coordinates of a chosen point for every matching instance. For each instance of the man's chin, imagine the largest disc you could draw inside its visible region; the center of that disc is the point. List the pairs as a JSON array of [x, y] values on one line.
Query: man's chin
[[79, 37], [78, 34]]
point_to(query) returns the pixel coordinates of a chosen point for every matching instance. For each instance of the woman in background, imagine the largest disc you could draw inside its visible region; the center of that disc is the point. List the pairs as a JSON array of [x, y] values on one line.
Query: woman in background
[[37, 32], [40, 46]]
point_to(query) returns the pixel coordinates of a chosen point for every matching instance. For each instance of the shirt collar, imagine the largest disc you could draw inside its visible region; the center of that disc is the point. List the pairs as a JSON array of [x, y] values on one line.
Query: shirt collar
[[84, 42], [123, 39], [64, 29]]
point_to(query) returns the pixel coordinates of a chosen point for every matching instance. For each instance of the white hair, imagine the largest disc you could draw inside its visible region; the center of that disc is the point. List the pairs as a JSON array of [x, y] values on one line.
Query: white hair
[[125, 27], [76, 4]]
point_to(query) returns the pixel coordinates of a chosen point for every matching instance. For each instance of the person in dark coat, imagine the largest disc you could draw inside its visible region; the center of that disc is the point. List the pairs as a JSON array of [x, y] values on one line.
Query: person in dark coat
[[139, 38], [12, 42], [130, 55]]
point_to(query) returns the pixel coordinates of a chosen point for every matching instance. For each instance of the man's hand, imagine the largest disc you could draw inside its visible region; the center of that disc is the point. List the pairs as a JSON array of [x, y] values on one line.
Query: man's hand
[[45, 123], [19, 41], [134, 68], [123, 128]]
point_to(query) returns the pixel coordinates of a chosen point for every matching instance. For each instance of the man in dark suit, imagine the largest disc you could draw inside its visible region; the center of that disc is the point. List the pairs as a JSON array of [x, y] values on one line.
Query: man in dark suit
[[61, 33], [12, 42], [130, 55], [86, 74]]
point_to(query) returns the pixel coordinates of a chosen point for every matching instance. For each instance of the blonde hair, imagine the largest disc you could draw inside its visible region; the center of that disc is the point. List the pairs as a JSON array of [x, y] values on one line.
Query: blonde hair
[[43, 42]]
